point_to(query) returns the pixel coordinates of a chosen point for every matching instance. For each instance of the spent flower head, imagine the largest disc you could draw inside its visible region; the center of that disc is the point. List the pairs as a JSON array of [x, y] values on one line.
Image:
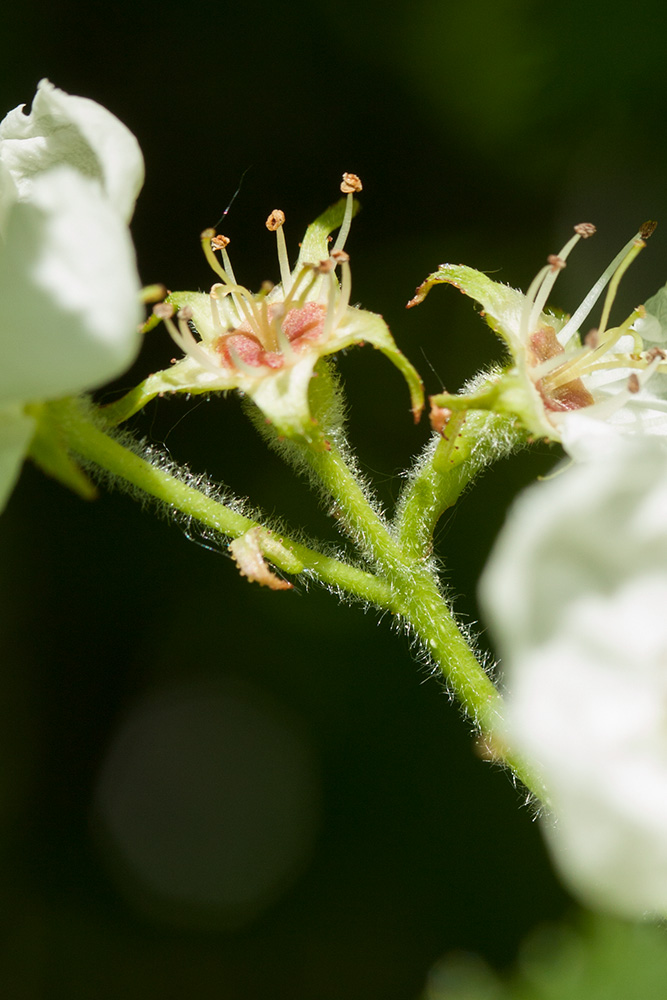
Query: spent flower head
[[267, 344], [612, 376]]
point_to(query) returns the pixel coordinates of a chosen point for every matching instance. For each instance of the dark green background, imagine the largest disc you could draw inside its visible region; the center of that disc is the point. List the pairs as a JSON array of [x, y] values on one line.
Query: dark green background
[[482, 133]]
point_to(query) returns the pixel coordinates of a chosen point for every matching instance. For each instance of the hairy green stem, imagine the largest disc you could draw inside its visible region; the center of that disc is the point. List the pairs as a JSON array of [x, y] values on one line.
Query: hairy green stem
[[419, 601], [449, 463], [88, 441]]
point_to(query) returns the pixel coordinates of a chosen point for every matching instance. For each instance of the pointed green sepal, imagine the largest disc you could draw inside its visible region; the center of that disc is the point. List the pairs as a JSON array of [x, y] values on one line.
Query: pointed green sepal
[[48, 450]]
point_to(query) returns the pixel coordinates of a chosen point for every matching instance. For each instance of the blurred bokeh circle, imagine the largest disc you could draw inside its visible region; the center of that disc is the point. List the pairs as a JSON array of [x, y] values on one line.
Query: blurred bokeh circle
[[206, 803]]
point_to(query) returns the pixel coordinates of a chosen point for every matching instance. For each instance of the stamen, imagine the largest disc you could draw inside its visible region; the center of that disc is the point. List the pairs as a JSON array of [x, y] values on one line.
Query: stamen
[[182, 336], [556, 264], [215, 312], [350, 184], [274, 224], [309, 272], [332, 310], [580, 314], [244, 303], [283, 344], [527, 310], [345, 285], [584, 361], [210, 241], [637, 245]]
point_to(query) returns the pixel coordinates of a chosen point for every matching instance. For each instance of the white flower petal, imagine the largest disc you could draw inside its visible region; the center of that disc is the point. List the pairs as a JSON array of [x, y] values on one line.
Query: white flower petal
[[69, 290], [576, 592], [62, 129], [16, 430]]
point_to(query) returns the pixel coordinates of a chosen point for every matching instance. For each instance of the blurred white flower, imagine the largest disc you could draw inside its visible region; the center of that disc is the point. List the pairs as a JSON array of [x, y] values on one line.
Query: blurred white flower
[[69, 176], [576, 597]]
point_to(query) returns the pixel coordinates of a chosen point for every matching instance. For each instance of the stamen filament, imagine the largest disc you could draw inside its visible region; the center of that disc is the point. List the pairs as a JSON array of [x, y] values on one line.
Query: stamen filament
[[213, 261], [215, 312], [584, 360], [274, 224], [345, 292], [575, 321], [331, 306], [350, 184], [550, 280], [637, 247], [531, 295], [283, 260], [304, 272], [182, 337], [267, 327], [344, 230]]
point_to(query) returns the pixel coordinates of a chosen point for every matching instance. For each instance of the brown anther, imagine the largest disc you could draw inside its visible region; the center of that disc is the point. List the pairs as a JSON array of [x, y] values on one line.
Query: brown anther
[[555, 262], [592, 339], [207, 234], [340, 256], [351, 184], [325, 266], [185, 313], [275, 220], [219, 242], [163, 310], [266, 286], [585, 229], [633, 383], [655, 352], [647, 229]]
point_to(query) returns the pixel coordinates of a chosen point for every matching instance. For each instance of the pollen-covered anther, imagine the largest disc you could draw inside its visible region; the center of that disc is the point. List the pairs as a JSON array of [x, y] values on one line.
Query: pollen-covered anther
[[184, 313], [340, 256], [585, 229], [219, 242], [326, 266], [592, 338], [275, 220], [351, 184], [555, 262], [655, 353], [633, 383]]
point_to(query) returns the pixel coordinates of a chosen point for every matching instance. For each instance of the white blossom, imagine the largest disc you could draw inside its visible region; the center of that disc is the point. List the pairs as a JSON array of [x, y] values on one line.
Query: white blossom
[[69, 289], [576, 597], [613, 375], [267, 344]]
